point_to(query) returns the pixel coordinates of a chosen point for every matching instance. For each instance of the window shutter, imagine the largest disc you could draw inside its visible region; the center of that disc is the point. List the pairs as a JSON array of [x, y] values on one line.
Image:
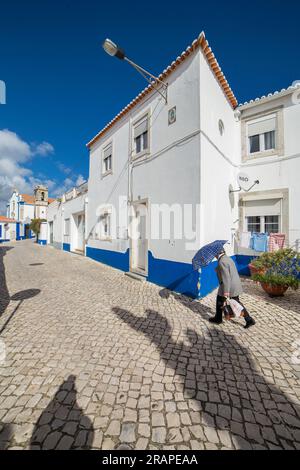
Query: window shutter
[[141, 128], [262, 207], [261, 127], [107, 152]]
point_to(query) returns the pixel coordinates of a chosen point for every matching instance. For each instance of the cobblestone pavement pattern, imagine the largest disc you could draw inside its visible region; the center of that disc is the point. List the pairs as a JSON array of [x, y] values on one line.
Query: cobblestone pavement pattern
[[95, 359]]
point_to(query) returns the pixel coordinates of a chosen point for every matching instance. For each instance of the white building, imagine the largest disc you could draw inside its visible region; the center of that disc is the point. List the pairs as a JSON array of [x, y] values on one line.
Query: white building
[[7, 229], [66, 220], [22, 208], [162, 173]]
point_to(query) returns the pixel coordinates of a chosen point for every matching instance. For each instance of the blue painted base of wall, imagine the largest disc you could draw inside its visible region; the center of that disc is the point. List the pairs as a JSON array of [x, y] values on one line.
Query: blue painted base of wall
[[42, 242], [66, 247], [3, 241], [112, 258], [173, 275], [242, 262]]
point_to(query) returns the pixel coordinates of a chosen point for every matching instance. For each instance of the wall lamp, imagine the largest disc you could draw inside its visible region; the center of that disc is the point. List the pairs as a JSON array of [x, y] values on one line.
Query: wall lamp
[[115, 51]]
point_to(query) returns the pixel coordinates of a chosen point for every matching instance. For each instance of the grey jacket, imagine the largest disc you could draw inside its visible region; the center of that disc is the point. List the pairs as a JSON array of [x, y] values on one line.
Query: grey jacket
[[228, 277]]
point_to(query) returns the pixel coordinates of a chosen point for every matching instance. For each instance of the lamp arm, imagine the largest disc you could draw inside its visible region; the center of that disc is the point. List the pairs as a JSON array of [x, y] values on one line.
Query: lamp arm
[[143, 71], [149, 81]]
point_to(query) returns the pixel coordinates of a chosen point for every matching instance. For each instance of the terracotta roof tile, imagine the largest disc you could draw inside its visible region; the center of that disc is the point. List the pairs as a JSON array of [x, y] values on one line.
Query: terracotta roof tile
[[6, 219], [28, 199]]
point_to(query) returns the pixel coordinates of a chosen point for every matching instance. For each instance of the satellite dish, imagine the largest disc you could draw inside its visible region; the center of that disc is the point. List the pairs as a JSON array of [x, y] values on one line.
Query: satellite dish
[[244, 181]]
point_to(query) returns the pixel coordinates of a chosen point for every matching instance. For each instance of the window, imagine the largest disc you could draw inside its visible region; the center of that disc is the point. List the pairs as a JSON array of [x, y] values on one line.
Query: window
[[67, 227], [21, 212], [253, 224], [263, 224], [141, 136], [263, 215], [271, 223], [107, 160], [105, 226], [262, 134]]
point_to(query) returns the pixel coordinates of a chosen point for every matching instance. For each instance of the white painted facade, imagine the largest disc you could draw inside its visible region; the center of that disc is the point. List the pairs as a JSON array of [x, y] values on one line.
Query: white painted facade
[[66, 221], [193, 161], [189, 167]]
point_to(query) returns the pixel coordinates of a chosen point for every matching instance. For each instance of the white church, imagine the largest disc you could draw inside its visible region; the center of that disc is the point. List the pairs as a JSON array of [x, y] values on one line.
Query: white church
[[21, 209]]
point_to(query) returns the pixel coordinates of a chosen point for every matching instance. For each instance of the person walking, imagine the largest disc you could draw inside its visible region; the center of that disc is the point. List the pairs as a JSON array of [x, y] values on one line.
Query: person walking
[[230, 288]]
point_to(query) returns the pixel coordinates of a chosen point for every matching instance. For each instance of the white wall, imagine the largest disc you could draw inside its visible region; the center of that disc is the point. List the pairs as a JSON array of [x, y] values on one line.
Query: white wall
[[55, 215], [170, 174], [71, 209], [28, 211], [220, 157]]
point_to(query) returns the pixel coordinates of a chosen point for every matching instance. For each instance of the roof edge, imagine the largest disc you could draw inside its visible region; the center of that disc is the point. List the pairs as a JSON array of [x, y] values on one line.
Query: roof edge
[[200, 42]]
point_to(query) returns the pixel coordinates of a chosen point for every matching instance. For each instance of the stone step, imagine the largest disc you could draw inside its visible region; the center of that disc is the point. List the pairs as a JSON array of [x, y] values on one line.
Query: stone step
[[137, 277]]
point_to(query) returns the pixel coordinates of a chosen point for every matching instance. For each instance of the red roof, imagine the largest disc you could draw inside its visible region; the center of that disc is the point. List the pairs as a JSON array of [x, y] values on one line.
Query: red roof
[[6, 219], [28, 199]]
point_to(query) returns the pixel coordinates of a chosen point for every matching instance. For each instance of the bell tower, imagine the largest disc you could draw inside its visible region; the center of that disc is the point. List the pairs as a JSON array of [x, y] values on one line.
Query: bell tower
[[40, 201]]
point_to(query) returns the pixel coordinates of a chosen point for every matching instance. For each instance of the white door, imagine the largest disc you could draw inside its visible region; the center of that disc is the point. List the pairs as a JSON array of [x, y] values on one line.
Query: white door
[[140, 242], [80, 232]]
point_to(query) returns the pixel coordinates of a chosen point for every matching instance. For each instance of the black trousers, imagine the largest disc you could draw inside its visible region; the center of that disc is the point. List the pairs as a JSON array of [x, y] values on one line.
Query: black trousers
[[219, 308]]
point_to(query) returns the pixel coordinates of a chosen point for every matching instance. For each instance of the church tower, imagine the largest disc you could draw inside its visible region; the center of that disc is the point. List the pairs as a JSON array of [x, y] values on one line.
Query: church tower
[[40, 202]]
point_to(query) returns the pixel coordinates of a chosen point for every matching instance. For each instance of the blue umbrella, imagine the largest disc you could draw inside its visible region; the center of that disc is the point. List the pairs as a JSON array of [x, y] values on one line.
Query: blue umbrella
[[207, 253]]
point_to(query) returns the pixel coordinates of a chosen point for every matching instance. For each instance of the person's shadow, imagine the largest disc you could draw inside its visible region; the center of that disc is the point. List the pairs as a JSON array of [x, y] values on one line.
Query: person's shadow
[[63, 425], [229, 395]]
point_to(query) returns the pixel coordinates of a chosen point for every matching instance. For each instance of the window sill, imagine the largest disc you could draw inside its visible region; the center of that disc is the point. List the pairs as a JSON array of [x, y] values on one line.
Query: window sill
[[106, 174], [265, 153], [139, 155]]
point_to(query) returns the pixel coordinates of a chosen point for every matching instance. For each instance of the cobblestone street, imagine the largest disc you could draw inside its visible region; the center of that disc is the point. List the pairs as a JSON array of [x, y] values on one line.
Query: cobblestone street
[[95, 359]]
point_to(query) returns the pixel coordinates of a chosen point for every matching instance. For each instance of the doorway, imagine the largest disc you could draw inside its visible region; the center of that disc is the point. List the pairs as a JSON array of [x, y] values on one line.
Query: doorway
[[139, 239], [80, 232]]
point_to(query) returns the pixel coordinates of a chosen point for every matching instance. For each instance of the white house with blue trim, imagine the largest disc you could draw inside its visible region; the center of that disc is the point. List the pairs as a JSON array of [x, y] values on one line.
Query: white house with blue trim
[[159, 161], [165, 178]]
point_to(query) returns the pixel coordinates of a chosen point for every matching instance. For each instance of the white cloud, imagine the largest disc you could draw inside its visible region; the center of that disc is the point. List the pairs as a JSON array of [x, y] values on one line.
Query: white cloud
[[42, 149], [14, 153], [67, 185], [63, 168], [80, 180], [14, 148]]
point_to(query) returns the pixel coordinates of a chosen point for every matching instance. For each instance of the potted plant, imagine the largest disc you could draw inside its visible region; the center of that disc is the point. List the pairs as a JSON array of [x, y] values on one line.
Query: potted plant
[[277, 271]]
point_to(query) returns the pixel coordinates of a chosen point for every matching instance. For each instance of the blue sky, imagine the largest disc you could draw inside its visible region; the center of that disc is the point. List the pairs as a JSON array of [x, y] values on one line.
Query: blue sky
[[62, 88]]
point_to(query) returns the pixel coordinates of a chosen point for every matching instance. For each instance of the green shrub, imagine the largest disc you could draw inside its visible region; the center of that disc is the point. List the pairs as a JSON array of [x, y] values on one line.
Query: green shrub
[[35, 226]]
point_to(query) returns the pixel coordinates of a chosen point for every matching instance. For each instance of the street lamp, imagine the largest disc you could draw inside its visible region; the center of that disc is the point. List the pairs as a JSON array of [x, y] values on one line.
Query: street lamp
[[115, 51]]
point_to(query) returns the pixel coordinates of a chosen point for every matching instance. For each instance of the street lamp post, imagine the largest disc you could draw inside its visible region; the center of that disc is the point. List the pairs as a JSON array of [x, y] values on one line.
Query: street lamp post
[[115, 51]]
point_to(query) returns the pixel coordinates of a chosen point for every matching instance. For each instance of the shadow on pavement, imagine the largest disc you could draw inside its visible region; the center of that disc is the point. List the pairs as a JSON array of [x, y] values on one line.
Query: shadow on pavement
[[4, 294], [219, 378], [6, 434], [20, 297], [63, 425]]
